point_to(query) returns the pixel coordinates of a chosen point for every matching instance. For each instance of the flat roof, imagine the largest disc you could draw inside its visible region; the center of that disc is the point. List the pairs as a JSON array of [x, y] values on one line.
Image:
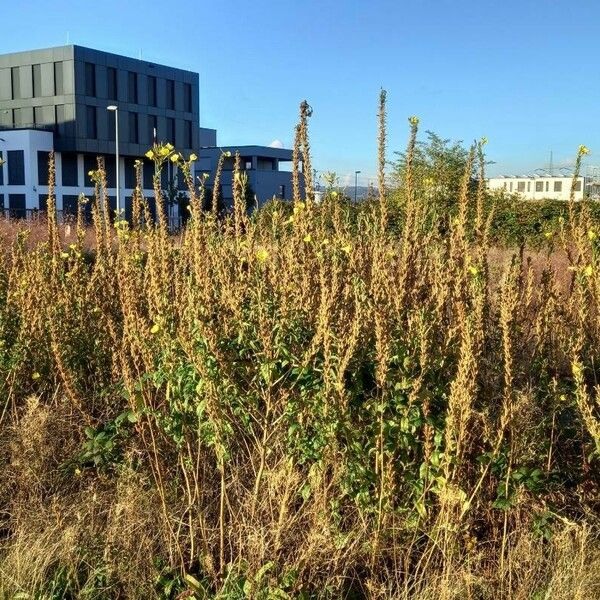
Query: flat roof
[[253, 150]]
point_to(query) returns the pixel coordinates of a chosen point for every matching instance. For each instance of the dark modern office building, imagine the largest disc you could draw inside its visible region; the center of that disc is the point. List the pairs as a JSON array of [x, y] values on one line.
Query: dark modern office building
[[57, 98]]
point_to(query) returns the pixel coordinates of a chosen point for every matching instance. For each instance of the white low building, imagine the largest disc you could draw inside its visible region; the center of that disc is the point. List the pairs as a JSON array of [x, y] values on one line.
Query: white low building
[[543, 187]]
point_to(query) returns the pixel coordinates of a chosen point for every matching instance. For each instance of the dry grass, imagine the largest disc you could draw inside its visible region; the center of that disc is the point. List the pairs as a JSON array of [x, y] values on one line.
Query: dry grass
[[298, 406]]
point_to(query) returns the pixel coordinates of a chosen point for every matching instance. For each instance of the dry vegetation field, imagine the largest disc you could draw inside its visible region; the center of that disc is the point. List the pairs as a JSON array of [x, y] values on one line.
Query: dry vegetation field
[[299, 404]]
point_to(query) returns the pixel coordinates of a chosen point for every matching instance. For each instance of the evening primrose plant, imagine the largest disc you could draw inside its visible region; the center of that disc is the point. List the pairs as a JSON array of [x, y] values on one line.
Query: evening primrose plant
[[308, 400]]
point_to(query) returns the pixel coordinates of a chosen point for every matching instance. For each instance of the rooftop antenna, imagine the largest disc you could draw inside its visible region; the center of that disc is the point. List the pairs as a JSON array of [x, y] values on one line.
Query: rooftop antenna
[[551, 166]]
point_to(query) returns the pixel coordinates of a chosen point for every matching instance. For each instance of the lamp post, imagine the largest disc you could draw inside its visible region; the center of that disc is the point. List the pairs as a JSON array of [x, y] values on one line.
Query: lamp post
[[115, 109], [356, 183]]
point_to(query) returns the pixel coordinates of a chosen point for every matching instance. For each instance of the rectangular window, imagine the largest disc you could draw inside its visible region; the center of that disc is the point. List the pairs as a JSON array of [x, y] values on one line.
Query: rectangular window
[[282, 192], [37, 80], [170, 94], [129, 168], [70, 205], [42, 164], [69, 169], [133, 128], [171, 131], [151, 90], [111, 75], [578, 185], [15, 81], [16, 206], [43, 201], [91, 124], [2, 204], [521, 186], [547, 185], [539, 186], [558, 186], [147, 175], [511, 186], [90, 79], [187, 128], [59, 89], [89, 164], [187, 97], [152, 129], [111, 125], [132, 87], [529, 186], [16, 167]]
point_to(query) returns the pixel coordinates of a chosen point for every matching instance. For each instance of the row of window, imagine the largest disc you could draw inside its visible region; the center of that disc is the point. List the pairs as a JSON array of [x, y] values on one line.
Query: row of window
[[16, 206], [133, 83], [132, 132], [51, 85], [540, 186]]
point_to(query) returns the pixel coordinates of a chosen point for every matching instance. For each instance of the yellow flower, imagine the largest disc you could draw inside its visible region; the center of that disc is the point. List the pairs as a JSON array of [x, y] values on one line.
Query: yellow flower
[[262, 255], [308, 238], [155, 328], [473, 270], [35, 376], [227, 154], [592, 234], [325, 242], [576, 369], [64, 255], [588, 271], [583, 150], [193, 157], [414, 121], [205, 175], [150, 154], [548, 234], [174, 158], [170, 147], [91, 173], [347, 248], [334, 194], [165, 151]]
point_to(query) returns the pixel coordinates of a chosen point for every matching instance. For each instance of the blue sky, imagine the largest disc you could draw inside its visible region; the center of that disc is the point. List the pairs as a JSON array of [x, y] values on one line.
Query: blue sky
[[524, 74]]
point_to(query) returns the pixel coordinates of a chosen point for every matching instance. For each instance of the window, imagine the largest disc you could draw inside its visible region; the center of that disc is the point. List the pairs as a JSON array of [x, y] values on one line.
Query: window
[[152, 133], [558, 186], [132, 87], [112, 87], [504, 185], [90, 79], [171, 131], [133, 128], [529, 186], [1, 169], [170, 94], [58, 79], [521, 186], [69, 169], [43, 201], [91, 124], [187, 97], [42, 163], [111, 125], [578, 185], [70, 204], [187, 128], [16, 205], [37, 80], [89, 164], [511, 186], [539, 186], [15, 81], [282, 192], [16, 167], [151, 90], [129, 168], [547, 185]]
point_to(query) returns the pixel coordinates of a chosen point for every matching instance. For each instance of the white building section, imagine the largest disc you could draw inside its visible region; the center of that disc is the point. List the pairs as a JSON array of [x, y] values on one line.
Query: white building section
[[539, 187]]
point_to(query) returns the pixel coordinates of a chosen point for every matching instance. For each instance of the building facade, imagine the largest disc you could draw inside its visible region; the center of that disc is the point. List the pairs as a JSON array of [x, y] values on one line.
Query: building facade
[[57, 99], [539, 187], [268, 169]]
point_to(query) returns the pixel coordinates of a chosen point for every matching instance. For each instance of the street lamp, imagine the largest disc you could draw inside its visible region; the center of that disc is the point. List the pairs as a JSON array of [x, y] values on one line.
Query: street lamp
[[115, 109], [356, 183]]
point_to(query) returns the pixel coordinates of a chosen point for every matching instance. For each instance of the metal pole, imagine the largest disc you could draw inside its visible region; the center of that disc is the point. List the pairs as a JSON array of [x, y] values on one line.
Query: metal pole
[[117, 161], [355, 184]]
